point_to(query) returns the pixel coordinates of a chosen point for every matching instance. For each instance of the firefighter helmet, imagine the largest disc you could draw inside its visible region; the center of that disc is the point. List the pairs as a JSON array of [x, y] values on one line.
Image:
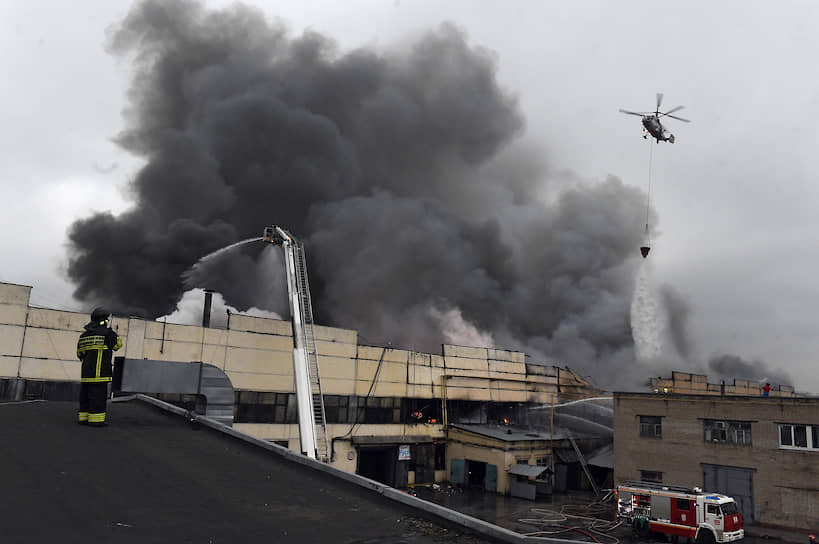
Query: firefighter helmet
[[100, 314]]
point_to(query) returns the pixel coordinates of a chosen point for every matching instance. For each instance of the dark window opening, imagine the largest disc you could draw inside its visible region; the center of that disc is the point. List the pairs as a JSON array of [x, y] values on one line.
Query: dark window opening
[[651, 426], [651, 476], [800, 436], [728, 432], [785, 438]]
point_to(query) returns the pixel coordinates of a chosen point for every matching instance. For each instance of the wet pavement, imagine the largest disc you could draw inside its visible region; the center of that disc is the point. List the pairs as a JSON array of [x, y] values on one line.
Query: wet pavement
[[575, 516]]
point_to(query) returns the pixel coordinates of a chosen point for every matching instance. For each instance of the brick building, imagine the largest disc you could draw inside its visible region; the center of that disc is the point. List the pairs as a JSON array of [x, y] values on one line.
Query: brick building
[[763, 451]]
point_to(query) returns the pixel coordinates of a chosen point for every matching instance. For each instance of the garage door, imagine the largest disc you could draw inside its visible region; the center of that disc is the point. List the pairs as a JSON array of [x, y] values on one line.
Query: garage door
[[736, 482]]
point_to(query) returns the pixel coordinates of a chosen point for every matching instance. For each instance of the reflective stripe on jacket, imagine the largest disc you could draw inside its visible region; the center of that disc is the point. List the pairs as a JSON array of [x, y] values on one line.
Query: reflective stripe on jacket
[[95, 349]]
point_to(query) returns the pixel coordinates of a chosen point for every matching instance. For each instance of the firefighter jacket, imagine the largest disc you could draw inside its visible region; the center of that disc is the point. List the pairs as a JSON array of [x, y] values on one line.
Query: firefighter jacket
[[95, 349]]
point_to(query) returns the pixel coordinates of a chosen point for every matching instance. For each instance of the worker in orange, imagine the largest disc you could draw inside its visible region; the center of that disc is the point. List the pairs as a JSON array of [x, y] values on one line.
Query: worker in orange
[[95, 349]]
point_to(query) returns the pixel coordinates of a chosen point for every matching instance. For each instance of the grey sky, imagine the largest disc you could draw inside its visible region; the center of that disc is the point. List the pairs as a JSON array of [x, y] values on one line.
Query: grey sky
[[735, 196]]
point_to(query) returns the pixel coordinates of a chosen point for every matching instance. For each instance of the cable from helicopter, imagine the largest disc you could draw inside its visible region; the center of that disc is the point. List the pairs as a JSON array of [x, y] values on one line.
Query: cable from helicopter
[[646, 247], [652, 126]]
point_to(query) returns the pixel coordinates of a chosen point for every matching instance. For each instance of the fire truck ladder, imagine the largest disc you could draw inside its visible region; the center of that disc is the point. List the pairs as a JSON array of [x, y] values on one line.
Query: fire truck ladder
[[309, 337], [585, 466]]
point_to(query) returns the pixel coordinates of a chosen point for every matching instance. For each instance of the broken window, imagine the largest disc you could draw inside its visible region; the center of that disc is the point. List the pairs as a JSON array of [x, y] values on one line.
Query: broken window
[[651, 426], [727, 431]]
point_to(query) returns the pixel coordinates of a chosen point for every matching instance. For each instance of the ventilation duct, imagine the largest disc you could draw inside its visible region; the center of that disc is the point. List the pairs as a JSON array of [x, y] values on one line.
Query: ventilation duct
[[171, 377]]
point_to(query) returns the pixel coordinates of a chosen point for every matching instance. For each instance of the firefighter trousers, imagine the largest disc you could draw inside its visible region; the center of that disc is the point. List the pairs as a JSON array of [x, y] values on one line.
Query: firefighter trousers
[[93, 401]]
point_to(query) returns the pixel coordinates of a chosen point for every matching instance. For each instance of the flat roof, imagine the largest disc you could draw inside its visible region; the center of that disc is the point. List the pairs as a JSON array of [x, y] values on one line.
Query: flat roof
[[508, 433], [153, 476], [806, 399], [531, 471]]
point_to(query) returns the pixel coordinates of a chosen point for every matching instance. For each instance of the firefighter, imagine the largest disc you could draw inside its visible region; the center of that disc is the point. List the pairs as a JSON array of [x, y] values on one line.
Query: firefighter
[[95, 349]]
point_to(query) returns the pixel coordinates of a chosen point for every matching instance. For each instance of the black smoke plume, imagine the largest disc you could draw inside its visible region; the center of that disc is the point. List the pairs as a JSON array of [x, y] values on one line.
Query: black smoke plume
[[403, 170], [730, 367]]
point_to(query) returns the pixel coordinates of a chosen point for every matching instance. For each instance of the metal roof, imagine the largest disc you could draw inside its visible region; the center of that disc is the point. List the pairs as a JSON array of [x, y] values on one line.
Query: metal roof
[[509, 433], [566, 455], [155, 476], [394, 439], [531, 471], [603, 457]]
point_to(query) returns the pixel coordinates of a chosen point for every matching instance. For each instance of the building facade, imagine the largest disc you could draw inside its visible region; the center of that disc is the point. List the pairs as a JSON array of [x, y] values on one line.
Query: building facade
[[387, 410], [762, 451]]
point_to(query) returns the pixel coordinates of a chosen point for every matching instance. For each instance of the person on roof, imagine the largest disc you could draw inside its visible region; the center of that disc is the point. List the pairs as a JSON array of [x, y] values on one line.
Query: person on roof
[[95, 349], [766, 390]]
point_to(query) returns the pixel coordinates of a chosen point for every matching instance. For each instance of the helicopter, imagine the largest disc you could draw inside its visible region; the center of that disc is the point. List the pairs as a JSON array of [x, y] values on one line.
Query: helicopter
[[651, 121]]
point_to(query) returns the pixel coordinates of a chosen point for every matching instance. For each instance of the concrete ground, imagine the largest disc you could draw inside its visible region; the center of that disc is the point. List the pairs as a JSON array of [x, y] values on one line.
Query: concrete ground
[[150, 476]]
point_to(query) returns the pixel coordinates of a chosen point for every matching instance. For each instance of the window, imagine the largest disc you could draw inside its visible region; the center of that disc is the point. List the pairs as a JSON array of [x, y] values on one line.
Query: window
[[264, 407], [798, 436], [335, 408], [651, 426], [651, 476], [729, 508], [713, 509], [378, 410], [785, 435], [727, 431], [684, 505], [542, 462]]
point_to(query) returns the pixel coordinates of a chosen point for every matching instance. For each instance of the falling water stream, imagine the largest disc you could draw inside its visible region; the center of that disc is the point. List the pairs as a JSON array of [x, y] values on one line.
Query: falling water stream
[[646, 318]]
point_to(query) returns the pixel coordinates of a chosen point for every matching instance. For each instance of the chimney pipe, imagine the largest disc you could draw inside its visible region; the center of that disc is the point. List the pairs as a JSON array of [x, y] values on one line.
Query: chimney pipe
[[206, 312]]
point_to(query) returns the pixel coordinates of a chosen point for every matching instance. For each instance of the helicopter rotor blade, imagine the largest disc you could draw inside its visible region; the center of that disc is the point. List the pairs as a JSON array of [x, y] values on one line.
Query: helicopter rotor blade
[[634, 113], [672, 110], [659, 101], [679, 118]]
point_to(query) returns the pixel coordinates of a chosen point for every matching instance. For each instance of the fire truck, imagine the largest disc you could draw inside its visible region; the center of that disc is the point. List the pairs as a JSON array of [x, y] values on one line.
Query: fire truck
[[679, 512]]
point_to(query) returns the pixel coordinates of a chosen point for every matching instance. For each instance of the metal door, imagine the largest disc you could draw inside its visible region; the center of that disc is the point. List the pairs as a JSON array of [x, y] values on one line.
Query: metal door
[[424, 464], [491, 479], [457, 471], [736, 482]]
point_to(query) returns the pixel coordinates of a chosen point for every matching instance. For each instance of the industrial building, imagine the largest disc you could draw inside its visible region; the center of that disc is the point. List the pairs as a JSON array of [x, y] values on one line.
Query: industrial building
[[391, 414], [762, 451]]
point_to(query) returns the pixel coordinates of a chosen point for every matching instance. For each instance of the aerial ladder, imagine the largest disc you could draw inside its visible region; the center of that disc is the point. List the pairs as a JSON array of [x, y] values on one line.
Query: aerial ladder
[[309, 397]]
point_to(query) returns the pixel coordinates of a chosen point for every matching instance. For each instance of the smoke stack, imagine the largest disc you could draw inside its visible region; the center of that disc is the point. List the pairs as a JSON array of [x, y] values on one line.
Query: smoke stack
[[206, 311]]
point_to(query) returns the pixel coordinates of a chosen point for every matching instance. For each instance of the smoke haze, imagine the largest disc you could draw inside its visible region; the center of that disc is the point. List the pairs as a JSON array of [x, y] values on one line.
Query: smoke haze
[[425, 217]]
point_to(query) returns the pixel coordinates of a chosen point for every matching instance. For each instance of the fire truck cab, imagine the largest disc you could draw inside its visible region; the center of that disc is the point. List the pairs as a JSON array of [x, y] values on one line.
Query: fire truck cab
[[680, 512]]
